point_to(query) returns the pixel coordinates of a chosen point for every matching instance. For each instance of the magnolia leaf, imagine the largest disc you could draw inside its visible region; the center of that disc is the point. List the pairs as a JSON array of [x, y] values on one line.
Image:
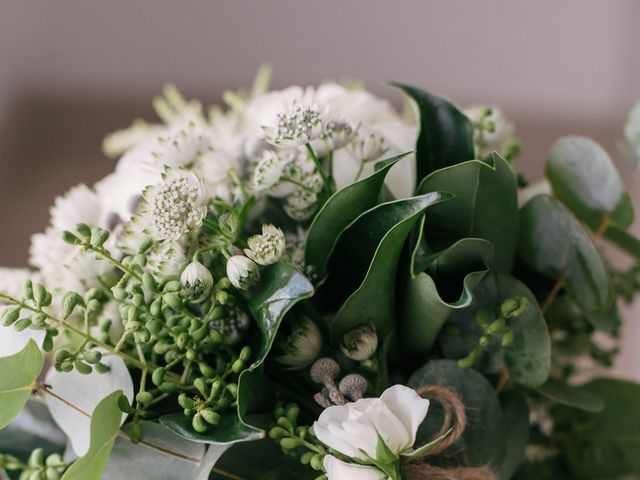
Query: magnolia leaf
[[339, 211], [603, 444], [571, 396], [584, 178], [446, 134], [516, 416], [105, 425], [367, 255], [230, 430], [483, 440], [85, 392], [452, 274], [19, 373], [484, 205], [553, 243]]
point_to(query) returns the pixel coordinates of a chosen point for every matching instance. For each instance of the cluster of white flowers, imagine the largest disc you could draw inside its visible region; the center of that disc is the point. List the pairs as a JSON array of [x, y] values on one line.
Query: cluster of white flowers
[[491, 128]]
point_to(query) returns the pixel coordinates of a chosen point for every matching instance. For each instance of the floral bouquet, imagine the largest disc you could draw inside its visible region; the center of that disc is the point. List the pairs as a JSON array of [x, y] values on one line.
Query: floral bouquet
[[306, 284]]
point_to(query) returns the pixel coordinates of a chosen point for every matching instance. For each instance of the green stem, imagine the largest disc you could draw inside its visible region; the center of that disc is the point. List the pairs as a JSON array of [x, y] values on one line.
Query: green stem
[[298, 184], [319, 168]]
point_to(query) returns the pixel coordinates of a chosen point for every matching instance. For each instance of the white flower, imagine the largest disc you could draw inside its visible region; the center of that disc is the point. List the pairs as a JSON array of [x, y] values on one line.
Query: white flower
[[490, 127], [85, 392], [242, 272], [368, 148], [267, 248], [177, 205], [335, 135], [79, 205], [302, 346], [268, 171], [360, 343], [196, 279], [363, 429], [339, 470], [299, 126]]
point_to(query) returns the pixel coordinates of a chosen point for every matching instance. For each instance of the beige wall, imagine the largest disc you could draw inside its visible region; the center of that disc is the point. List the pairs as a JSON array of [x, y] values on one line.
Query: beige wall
[[71, 71]]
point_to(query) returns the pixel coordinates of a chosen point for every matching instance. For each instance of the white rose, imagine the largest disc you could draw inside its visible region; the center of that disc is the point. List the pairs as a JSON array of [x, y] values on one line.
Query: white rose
[[339, 470], [363, 429]]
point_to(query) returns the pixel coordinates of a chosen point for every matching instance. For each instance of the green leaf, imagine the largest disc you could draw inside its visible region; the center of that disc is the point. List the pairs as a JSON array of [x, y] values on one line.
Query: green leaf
[[446, 134], [339, 211], [603, 444], [19, 372], [553, 243], [483, 441], [231, 429], [105, 425], [576, 397], [623, 240], [516, 416], [485, 205], [430, 298], [584, 178], [528, 358], [367, 254]]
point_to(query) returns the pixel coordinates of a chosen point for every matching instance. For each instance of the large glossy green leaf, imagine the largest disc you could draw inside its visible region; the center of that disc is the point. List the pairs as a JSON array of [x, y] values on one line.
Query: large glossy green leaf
[[231, 429], [516, 417], [430, 297], [367, 256], [603, 444], [571, 396], [585, 179], [553, 243], [191, 460], [19, 372], [485, 205], [446, 134], [339, 211], [483, 441], [105, 425]]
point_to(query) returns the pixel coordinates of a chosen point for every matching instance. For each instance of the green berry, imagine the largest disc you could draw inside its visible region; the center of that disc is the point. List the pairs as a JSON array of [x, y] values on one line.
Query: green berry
[[198, 423]]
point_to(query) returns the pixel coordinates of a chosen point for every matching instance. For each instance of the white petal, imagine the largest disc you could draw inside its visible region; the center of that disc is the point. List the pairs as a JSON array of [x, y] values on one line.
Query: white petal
[[408, 406], [339, 470], [85, 392], [12, 341]]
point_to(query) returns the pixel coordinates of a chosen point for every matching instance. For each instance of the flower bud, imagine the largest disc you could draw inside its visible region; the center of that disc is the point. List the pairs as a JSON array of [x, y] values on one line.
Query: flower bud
[[302, 346], [70, 301], [196, 280], [242, 272], [267, 248], [360, 343]]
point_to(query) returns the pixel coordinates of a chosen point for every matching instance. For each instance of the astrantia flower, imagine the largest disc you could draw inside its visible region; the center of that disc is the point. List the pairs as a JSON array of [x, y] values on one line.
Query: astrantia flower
[[364, 429], [368, 148], [267, 248], [177, 205], [360, 343], [339, 470], [268, 171], [242, 272], [196, 280], [79, 205], [299, 126], [335, 135], [302, 346]]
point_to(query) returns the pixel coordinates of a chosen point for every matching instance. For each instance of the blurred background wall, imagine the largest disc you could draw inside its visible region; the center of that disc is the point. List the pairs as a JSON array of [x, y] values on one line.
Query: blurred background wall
[[73, 70]]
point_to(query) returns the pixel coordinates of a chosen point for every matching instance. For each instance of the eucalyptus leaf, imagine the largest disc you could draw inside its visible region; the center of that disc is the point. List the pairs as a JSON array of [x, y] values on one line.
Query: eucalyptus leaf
[[105, 425], [453, 272], [585, 179], [371, 246], [339, 211], [446, 134], [552, 242], [625, 241], [484, 205], [516, 415], [19, 372], [571, 396], [483, 440]]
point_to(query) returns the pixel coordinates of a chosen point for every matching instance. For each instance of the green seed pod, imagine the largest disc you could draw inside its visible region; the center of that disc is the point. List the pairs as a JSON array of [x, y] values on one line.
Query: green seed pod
[[305, 458], [496, 326], [289, 443], [217, 313], [507, 338], [245, 353], [201, 385], [191, 355], [52, 474], [279, 410], [144, 398], [161, 348], [469, 360], [215, 336], [484, 341], [102, 368], [285, 423], [149, 282], [10, 316], [237, 366], [293, 411], [54, 460], [210, 416], [170, 356], [301, 432], [140, 260], [66, 366], [47, 344], [156, 307], [483, 317], [70, 301], [186, 402], [70, 238], [92, 356], [199, 334], [145, 246], [84, 230], [157, 377], [222, 297], [523, 304], [168, 387], [223, 284], [93, 306], [23, 324], [189, 412], [119, 293], [173, 300], [36, 459], [216, 388], [207, 370], [508, 307], [316, 462], [172, 286], [138, 299], [135, 432], [35, 474], [154, 326], [232, 388], [142, 336], [39, 294], [82, 367], [124, 405], [198, 423], [28, 290], [277, 433], [99, 237], [133, 313]]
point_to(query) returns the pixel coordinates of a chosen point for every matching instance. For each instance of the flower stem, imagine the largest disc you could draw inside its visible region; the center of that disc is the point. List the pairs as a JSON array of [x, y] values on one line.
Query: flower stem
[[316, 162]]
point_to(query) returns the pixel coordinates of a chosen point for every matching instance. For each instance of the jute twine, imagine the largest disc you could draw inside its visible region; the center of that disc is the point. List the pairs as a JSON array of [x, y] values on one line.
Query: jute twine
[[455, 419]]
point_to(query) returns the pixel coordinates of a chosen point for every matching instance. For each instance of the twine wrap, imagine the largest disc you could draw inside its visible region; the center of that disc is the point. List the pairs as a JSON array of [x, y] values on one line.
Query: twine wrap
[[455, 419]]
